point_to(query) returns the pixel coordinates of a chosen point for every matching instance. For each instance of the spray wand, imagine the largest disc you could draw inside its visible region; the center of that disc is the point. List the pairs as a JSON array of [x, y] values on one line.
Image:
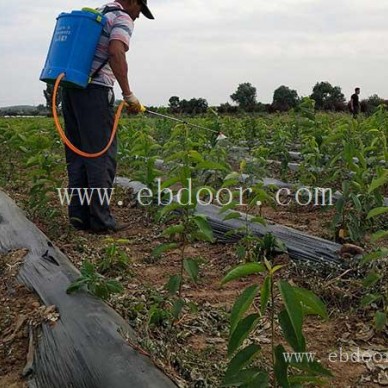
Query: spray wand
[[65, 139]]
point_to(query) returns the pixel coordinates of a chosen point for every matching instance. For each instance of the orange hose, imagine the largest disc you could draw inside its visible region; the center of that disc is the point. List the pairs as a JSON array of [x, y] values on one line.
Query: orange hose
[[63, 135]]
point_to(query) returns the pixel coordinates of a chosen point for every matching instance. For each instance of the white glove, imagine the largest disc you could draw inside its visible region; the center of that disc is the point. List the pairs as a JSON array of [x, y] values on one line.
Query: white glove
[[133, 103]]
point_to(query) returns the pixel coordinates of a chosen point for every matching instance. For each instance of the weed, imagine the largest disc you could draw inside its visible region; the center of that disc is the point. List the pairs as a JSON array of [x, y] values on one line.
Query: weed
[[95, 283]]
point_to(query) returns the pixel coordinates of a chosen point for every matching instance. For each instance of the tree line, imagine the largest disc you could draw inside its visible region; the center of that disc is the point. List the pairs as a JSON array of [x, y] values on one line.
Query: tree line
[[24, 110], [326, 97]]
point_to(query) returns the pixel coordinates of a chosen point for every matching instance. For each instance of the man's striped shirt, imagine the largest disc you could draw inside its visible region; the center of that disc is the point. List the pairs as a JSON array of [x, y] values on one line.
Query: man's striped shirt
[[119, 26]]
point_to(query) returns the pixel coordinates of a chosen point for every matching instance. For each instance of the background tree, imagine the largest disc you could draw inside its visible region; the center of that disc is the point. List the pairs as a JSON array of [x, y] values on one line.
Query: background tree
[[284, 99], [41, 110], [245, 97], [48, 95], [328, 97], [173, 104], [193, 106], [227, 108], [199, 105], [370, 105]]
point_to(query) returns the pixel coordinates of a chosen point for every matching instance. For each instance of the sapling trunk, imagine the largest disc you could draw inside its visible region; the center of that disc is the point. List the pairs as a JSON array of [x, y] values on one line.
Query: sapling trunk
[[272, 326], [183, 248]]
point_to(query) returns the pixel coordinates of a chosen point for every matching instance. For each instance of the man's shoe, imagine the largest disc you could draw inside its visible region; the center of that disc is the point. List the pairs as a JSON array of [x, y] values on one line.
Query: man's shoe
[[121, 226], [117, 228], [79, 224], [80, 227]]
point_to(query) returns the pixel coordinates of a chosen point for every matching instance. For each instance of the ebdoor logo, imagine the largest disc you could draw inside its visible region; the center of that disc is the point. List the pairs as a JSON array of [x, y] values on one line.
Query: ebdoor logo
[[301, 357], [85, 195], [359, 356]]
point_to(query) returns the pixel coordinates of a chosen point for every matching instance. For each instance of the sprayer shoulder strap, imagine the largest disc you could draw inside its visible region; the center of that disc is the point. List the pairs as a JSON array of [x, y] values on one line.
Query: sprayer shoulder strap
[[112, 9], [106, 10]]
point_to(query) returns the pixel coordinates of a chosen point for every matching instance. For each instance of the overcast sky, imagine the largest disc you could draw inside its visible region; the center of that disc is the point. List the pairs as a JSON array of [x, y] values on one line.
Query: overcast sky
[[205, 48]]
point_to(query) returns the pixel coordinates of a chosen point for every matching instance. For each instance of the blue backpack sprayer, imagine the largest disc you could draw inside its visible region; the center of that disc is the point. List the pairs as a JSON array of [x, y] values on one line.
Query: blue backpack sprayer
[[72, 47], [69, 62]]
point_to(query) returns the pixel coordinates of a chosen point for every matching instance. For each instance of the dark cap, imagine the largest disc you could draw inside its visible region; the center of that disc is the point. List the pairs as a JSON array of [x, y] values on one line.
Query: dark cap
[[145, 10]]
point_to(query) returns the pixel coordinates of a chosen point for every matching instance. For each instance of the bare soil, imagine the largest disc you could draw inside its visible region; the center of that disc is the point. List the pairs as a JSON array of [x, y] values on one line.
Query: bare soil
[[18, 306], [193, 350]]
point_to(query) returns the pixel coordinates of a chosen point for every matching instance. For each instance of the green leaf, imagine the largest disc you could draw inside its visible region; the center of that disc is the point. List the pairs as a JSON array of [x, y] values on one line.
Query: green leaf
[[32, 160], [232, 205], [268, 265], [289, 332], [276, 269], [261, 380], [229, 183], [195, 156], [174, 229], [99, 289], [22, 137], [243, 270], [232, 216], [233, 175], [380, 320], [383, 252], [295, 312], [197, 235], [241, 251], [170, 182], [157, 316], [122, 241], [162, 248], [192, 307], [371, 279], [114, 287], [87, 268], [280, 367], [379, 235], [314, 367], [258, 220], [192, 268], [242, 359], [265, 292], [311, 304], [377, 212], [369, 299], [340, 205], [356, 202], [173, 284], [207, 165], [204, 227], [177, 308], [76, 285], [243, 328], [337, 219], [280, 245], [168, 209], [176, 156], [209, 189], [247, 376], [378, 182], [242, 304]]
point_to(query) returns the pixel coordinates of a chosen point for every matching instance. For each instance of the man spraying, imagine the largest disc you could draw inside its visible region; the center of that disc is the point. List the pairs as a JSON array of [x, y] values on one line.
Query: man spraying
[[89, 116], [355, 106]]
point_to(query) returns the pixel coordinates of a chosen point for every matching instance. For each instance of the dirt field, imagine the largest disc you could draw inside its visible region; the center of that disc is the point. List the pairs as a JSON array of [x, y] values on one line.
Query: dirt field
[[193, 350]]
